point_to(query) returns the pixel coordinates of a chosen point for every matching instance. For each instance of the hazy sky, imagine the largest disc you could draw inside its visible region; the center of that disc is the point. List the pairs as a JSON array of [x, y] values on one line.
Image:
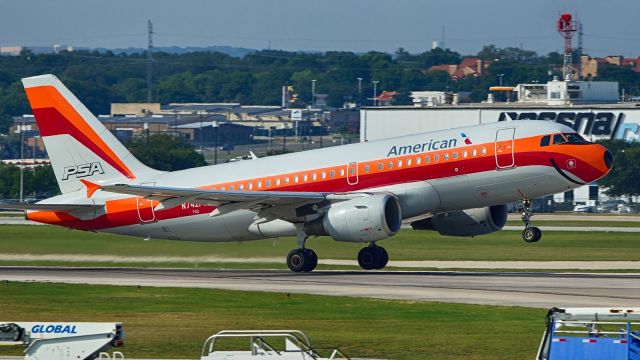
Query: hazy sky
[[610, 26]]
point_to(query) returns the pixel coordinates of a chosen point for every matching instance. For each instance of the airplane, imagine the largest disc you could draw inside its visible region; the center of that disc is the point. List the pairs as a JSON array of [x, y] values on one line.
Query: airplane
[[454, 181]]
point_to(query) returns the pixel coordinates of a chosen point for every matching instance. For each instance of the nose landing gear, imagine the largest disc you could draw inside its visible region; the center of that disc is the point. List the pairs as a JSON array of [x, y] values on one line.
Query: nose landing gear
[[530, 233]]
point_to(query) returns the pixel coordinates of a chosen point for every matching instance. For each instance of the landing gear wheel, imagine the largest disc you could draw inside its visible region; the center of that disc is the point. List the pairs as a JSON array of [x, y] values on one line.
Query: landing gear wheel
[[302, 260], [532, 234], [296, 260], [312, 258], [383, 258], [373, 257], [368, 257]]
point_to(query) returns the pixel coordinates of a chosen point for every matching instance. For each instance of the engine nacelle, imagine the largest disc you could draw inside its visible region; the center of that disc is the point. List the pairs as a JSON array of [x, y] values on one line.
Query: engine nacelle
[[369, 218], [470, 222]]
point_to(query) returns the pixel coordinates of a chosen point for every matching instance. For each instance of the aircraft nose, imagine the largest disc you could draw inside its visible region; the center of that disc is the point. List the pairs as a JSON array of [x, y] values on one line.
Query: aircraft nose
[[608, 159]]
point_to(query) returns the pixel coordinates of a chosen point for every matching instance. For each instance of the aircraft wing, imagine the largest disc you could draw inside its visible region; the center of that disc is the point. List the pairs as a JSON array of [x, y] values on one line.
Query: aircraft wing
[[50, 207], [283, 204]]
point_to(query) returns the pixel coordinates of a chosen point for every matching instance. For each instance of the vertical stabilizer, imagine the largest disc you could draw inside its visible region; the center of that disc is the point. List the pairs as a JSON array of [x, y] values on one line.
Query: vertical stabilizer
[[79, 146]]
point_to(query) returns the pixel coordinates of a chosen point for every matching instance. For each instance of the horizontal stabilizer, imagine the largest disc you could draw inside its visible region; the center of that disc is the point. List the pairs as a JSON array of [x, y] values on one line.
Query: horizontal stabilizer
[[50, 207]]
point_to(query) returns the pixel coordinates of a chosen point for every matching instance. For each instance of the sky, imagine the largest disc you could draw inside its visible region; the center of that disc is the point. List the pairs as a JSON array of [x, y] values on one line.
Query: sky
[[313, 25]]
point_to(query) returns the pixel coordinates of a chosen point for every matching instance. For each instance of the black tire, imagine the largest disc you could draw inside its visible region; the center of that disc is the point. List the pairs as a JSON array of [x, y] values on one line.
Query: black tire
[[296, 260], [538, 234], [368, 257], [383, 258], [531, 235], [312, 260]]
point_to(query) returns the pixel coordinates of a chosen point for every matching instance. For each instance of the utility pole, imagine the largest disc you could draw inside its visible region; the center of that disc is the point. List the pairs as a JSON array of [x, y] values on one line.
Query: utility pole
[[359, 91], [375, 92], [313, 93], [21, 159], [149, 62]]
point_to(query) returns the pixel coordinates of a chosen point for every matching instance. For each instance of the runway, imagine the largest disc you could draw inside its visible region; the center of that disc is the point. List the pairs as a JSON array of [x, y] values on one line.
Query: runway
[[539, 290]]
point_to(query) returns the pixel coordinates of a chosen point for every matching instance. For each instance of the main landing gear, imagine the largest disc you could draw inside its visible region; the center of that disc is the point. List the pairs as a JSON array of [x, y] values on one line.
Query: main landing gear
[[302, 259], [530, 233], [373, 257], [305, 260]]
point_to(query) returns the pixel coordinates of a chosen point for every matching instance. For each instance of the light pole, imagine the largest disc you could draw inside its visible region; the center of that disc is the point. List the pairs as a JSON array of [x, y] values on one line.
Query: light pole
[[359, 90], [375, 92], [21, 159], [215, 148], [313, 93], [500, 77]]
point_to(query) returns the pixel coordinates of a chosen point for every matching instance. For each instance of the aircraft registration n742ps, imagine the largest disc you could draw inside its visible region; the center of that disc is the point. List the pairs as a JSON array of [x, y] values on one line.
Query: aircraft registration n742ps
[[455, 182]]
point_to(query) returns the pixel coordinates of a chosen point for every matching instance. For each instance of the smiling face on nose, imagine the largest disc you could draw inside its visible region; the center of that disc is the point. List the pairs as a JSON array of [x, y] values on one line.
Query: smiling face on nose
[[578, 160]]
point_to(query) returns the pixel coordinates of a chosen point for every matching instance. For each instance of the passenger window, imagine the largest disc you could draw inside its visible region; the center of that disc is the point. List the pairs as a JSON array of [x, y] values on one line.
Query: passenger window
[[324, 174], [295, 179], [474, 152], [259, 184], [332, 173], [464, 153], [483, 151], [455, 154], [366, 168], [286, 180], [231, 187], [436, 158], [277, 182], [314, 176], [418, 160], [399, 163], [545, 140], [446, 156], [268, 183], [352, 170], [380, 166], [241, 187], [250, 186], [390, 165], [427, 159], [305, 177], [342, 171], [408, 162]]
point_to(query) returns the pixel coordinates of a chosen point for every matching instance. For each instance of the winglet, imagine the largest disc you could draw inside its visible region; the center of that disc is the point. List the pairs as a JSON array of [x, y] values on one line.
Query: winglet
[[91, 187]]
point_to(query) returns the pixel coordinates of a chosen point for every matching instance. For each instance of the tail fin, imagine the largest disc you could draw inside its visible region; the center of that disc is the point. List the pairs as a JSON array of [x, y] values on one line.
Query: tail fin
[[79, 146]]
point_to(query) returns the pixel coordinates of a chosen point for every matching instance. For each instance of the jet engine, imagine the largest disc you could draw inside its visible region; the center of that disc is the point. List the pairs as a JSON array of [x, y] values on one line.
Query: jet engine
[[470, 222], [369, 218]]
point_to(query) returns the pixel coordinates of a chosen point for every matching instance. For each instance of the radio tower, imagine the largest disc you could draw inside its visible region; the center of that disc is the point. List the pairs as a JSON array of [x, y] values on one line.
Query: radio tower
[[150, 62], [566, 28]]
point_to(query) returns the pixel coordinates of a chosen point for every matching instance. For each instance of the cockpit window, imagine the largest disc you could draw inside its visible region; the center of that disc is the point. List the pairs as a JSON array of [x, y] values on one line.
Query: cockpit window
[[575, 138], [545, 140], [558, 139]]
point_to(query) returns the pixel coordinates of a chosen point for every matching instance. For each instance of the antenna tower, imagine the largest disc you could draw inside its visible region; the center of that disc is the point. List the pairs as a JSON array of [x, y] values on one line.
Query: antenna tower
[[566, 27]]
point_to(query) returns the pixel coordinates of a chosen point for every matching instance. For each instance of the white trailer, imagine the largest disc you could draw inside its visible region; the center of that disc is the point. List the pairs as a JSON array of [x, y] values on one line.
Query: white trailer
[[63, 340]]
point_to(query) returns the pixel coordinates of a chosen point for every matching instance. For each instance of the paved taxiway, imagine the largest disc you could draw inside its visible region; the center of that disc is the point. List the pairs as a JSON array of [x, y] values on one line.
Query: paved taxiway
[[542, 290]]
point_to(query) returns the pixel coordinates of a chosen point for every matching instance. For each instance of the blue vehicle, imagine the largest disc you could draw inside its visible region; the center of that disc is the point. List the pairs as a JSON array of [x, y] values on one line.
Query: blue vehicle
[[591, 333]]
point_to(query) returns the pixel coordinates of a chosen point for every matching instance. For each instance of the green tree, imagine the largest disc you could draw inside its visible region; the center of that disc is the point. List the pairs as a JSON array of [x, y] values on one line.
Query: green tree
[[623, 178], [165, 152]]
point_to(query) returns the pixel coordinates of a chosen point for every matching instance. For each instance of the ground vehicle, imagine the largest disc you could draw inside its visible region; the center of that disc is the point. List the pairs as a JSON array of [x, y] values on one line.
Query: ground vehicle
[[591, 333]]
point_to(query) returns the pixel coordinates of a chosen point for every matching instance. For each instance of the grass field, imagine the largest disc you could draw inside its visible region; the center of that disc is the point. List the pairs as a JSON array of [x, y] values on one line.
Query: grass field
[[173, 323], [408, 245]]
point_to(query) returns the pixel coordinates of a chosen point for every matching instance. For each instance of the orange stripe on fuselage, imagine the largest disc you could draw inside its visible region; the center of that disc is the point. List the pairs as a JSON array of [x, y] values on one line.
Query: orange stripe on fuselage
[[43, 97]]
